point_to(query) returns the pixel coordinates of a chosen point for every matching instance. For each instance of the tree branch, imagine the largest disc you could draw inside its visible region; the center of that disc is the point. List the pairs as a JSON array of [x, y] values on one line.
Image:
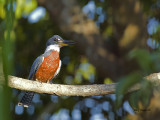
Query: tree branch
[[71, 90], [61, 90]]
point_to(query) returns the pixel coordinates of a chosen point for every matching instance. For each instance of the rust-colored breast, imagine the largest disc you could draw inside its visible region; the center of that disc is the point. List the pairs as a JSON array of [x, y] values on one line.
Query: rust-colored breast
[[48, 67]]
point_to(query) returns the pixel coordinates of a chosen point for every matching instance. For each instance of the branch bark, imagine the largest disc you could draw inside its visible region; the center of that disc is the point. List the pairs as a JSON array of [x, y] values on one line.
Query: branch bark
[[71, 90]]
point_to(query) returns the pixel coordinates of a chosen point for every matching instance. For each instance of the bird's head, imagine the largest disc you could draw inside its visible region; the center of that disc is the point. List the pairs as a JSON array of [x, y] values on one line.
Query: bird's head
[[58, 41]]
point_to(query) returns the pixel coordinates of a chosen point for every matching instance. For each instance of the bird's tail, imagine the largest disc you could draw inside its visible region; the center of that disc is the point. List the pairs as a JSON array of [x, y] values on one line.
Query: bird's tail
[[26, 99]]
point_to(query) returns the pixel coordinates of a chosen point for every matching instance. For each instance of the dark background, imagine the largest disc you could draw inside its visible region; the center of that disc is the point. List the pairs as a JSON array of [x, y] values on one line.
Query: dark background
[[116, 41]]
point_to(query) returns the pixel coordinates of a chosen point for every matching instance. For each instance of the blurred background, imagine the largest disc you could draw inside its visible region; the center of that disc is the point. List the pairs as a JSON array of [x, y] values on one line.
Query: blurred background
[[116, 41]]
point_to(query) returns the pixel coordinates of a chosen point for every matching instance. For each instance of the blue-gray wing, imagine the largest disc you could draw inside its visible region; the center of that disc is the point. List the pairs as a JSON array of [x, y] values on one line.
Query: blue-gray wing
[[36, 64]]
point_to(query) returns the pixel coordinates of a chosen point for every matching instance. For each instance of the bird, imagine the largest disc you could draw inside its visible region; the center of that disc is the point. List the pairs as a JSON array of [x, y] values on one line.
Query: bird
[[45, 67]]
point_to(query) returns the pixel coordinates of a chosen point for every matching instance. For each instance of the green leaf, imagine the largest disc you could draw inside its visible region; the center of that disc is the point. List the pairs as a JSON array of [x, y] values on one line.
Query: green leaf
[[125, 84], [143, 58], [133, 100]]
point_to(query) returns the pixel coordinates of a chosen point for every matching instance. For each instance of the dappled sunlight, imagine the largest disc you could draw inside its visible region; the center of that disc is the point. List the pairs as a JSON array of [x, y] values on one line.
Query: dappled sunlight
[[23, 8], [129, 35], [36, 15]]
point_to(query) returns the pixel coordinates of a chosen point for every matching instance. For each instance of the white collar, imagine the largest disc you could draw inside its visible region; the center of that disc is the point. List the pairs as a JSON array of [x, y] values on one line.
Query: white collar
[[53, 47]]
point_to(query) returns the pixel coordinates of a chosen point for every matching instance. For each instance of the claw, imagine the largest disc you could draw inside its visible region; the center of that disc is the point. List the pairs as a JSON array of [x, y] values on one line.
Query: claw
[[49, 82], [39, 81]]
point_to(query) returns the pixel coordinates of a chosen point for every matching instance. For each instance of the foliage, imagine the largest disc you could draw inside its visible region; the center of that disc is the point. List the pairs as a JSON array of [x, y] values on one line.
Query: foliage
[[140, 99], [6, 56]]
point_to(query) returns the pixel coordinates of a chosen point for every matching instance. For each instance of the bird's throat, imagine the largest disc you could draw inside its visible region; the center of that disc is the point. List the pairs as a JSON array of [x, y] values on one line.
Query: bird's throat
[[53, 48]]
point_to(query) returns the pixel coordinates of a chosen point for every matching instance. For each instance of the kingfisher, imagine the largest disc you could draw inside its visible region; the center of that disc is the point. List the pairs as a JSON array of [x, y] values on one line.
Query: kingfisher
[[47, 66]]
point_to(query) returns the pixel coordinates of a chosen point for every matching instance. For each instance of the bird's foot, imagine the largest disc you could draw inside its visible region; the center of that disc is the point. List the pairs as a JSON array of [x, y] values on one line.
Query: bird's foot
[[39, 81], [49, 82]]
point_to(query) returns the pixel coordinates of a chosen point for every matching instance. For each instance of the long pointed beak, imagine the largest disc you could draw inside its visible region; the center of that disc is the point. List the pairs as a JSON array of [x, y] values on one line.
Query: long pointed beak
[[66, 42]]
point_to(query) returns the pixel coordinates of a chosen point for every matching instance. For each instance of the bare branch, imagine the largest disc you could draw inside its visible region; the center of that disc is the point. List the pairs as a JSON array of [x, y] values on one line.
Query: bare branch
[[71, 90], [61, 90]]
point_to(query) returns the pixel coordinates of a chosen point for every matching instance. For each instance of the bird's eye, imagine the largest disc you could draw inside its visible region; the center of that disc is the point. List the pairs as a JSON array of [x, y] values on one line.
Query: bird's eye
[[56, 39]]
